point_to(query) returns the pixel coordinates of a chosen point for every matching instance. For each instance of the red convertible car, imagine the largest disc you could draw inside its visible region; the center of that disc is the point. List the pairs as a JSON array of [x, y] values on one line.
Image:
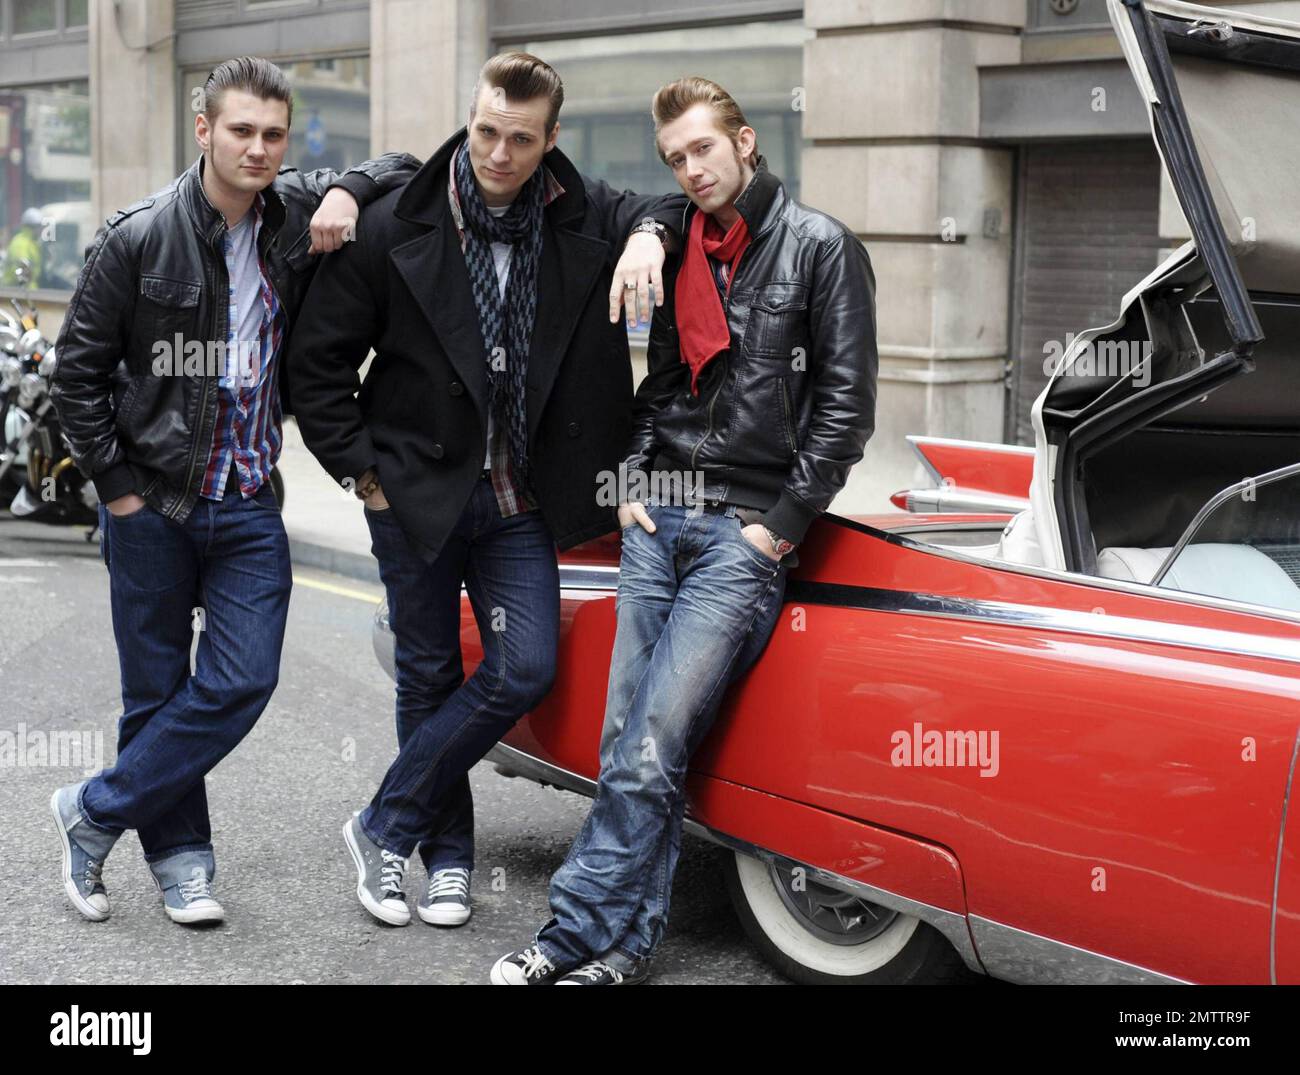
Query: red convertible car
[[1043, 722]]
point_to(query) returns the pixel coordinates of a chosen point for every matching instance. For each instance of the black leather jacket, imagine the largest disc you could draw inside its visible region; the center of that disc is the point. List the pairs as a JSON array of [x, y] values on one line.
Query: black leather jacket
[[782, 416], [156, 270]]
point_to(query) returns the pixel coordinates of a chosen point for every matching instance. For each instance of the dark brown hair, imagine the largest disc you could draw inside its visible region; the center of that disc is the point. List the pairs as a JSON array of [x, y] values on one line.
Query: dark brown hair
[[252, 74], [522, 77], [676, 98]]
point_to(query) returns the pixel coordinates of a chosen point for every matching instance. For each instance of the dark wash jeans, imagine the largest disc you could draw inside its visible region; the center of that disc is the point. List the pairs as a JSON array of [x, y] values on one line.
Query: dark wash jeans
[[445, 723], [229, 559], [696, 605]]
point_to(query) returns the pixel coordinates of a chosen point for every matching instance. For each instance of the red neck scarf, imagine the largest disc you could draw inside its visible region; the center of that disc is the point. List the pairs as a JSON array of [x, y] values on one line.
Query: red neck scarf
[[701, 322]]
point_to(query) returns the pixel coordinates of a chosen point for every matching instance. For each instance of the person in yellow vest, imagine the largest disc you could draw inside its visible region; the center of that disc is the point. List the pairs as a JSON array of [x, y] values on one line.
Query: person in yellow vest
[[25, 246]]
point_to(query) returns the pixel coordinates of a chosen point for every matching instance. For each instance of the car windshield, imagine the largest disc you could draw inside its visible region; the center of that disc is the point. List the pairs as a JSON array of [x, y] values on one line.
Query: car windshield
[[1244, 544]]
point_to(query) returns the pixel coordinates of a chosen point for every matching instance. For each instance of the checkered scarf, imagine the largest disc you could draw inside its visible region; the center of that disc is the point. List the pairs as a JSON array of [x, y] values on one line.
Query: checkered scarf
[[506, 325]]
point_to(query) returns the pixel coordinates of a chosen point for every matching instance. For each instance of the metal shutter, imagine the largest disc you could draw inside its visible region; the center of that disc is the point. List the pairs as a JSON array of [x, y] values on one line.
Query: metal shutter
[[1088, 218]]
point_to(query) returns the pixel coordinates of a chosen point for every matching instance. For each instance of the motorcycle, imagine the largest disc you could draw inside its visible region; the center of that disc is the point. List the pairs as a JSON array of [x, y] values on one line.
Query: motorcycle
[[36, 469], [38, 477]]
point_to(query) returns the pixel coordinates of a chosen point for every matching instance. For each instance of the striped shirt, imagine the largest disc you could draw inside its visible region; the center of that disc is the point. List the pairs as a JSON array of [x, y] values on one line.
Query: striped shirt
[[247, 433], [511, 500]]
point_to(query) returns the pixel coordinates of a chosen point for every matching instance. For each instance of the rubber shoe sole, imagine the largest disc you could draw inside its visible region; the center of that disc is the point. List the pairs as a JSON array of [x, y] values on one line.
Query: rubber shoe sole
[[201, 913], [496, 977], [384, 914], [83, 906], [193, 916], [447, 915]]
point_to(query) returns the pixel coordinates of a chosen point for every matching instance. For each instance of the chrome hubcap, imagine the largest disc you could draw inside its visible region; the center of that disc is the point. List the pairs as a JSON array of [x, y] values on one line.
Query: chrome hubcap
[[825, 912]]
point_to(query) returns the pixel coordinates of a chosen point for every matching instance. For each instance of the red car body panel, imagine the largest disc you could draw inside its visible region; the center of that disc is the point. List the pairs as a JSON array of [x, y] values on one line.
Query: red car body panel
[[1287, 942], [864, 853], [1140, 784]]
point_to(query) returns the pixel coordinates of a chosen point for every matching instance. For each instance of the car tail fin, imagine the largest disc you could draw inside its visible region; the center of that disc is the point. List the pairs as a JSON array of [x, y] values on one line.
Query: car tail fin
[[970, 476]]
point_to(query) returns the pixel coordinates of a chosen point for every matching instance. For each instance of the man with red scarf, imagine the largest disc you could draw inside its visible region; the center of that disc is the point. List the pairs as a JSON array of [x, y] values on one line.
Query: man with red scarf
[[759, 399]]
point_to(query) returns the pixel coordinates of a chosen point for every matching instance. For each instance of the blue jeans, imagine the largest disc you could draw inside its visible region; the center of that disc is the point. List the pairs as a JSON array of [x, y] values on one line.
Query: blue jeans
[[226, 566], [446, 723], [696, 605]]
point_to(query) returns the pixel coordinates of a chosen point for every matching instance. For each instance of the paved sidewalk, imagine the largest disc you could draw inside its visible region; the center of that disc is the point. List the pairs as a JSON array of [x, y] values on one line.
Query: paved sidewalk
[[326, 526]]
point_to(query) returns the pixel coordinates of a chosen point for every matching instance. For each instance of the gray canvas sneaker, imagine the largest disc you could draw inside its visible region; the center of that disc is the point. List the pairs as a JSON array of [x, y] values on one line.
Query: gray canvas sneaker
[[446, 901], [84, 850], [379, 876], [185, 882]]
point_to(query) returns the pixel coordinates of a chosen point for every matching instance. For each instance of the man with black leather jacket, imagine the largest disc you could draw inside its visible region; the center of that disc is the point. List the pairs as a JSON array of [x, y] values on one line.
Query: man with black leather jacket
[[760, 397], [168, 387]]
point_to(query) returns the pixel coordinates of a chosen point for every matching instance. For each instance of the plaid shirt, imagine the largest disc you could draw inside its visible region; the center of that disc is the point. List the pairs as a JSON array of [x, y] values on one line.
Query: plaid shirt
[[511, 499], [247, 432]]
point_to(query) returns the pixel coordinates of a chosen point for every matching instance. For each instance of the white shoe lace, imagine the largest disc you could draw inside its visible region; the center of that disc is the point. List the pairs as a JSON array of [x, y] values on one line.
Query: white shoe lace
[[535, 963], [391, 874], [595, 969], [452, 882], [196, 888]]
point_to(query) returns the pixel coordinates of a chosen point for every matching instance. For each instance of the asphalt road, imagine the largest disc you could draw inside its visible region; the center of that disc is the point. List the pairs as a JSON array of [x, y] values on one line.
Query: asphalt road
[[277, 806]]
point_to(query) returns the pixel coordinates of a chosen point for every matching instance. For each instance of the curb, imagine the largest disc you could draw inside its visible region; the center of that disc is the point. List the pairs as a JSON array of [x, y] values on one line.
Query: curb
[[354, 565]]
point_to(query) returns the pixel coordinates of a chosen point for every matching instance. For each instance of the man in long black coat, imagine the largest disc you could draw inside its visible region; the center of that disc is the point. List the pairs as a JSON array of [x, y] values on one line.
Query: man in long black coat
[[497, 405]]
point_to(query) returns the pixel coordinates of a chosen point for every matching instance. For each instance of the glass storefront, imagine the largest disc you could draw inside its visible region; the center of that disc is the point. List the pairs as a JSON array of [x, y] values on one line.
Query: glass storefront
[[44, 184], [331, 113], [605, 125]]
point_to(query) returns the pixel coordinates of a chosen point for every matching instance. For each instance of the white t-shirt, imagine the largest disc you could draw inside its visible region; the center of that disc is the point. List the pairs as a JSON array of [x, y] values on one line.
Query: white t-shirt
[[247, 309]]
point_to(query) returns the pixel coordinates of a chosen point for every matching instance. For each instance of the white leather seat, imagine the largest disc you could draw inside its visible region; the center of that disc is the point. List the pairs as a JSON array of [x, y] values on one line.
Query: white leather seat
[[1234, 572]]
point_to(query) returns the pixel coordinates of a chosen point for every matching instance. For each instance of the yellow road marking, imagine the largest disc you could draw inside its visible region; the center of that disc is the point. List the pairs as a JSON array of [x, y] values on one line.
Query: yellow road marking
[[342, 591]]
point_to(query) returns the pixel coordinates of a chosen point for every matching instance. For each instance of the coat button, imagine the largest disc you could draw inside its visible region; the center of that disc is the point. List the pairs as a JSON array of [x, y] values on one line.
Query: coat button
[[456, 388], [574, 429], [436, 451]]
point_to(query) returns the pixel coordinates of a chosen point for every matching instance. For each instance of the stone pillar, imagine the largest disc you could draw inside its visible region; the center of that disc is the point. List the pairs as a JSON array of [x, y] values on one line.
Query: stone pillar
[[424, 55], [132, 102], [893, 150]]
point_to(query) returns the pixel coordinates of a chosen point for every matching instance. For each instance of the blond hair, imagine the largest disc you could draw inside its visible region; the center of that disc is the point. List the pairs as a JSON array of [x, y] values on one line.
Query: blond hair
[[675, 99]]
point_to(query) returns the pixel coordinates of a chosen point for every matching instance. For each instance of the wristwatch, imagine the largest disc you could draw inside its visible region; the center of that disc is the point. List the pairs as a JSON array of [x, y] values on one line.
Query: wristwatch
[[779, 544], [653, 226]]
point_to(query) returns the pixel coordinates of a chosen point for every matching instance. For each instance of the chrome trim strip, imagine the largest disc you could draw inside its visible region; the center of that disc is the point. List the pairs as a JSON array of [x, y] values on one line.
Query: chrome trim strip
[[539, 771], [1091, 581], [943, 526], [1051, 619], [954, 499], [1277, 871], [949, 923], [587, 577], [1019, 956], [1065, 620], [917, 439]]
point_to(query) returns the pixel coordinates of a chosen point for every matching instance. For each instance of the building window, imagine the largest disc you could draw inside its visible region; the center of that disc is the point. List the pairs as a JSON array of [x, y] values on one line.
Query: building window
[[331, 112], [45, 184], [605, 125], [35, 16]]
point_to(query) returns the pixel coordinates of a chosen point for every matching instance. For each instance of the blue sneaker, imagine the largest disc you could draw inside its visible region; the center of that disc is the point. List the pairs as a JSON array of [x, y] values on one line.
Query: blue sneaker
[[185, 882], [84, 850]]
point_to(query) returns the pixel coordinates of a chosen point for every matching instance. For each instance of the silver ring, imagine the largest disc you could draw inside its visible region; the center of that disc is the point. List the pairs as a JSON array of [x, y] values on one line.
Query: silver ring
[[630, 287]]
